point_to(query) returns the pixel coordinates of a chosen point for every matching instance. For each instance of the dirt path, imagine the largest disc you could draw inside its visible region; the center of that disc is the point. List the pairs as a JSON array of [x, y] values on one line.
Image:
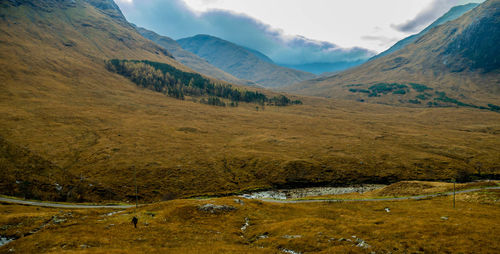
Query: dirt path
[[37, 203], [376, 199], [56, 205]]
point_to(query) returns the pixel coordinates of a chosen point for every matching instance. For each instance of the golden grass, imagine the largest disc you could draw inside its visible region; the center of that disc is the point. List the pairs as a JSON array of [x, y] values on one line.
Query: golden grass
[[58, 104], [410, 188], [179, 226]]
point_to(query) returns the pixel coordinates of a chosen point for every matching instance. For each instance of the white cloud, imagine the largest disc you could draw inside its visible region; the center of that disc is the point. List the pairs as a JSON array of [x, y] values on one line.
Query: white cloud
[[270, 25]]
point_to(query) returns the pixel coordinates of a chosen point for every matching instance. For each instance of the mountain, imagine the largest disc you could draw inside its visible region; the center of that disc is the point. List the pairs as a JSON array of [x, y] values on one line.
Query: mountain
[[325, 68], [453, 64], [84, 112], [242, 62], [189, 59], [452, 14]]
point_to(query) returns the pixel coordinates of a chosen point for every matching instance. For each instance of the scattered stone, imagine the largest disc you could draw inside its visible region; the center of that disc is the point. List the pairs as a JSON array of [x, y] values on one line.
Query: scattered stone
[[291, 236], [444, 218], [341, 239], [211, 208], [57, 220], [84, 246], [264, 236], [238, 201], [245, 226], [387, 209], [113, 213], [362, 243], [290, 251]]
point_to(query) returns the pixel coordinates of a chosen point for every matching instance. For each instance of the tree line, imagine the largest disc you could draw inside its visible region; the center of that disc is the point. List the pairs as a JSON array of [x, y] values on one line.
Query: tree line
[[164, 78]]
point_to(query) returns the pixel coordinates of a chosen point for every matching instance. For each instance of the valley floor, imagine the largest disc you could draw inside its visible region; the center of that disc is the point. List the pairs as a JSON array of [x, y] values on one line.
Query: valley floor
[[236, 225]]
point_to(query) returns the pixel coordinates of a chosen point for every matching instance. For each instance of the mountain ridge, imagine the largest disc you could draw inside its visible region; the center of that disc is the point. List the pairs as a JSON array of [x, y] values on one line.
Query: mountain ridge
[[193, 61], [454, 13], [447, 60], [241, 62]]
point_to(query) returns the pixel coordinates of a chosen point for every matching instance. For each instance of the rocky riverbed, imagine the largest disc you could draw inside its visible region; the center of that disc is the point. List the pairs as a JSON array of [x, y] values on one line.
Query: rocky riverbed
[[310, 192], [5, 240]]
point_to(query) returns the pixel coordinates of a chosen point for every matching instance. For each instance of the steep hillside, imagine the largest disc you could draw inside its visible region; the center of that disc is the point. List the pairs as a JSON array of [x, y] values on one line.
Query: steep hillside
[[452, 14], [189, 59], [66, 120], [454, 64], [242, 62]]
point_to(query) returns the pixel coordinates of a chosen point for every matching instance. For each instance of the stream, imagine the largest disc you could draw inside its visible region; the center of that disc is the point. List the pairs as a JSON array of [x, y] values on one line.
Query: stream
[[5, 240], [309, 192]]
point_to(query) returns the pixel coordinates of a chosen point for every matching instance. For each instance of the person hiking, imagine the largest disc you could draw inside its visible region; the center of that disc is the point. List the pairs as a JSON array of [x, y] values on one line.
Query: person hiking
[[135, 220]]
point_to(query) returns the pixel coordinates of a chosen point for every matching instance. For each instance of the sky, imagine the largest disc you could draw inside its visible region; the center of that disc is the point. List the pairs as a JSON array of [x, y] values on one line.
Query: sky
[[293, 31]]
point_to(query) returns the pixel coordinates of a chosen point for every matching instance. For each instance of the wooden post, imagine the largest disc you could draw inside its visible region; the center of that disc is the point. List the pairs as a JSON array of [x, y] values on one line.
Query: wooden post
[[454, 193], [135, 181]]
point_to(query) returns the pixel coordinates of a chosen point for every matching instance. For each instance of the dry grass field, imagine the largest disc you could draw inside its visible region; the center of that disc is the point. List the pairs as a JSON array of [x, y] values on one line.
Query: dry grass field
[[71, 130], [183, 226]]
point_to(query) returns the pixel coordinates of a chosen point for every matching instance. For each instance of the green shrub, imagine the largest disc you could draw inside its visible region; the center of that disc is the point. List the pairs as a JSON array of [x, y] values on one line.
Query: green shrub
[[419, 87]]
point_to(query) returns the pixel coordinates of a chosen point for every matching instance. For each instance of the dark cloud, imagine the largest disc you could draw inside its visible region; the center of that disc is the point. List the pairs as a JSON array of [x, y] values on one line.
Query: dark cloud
[[173, 18], [435, 10]]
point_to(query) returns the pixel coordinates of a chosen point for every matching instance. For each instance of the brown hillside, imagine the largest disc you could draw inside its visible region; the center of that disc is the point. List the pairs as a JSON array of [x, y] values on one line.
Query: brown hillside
[[60, 107], [459, 58]]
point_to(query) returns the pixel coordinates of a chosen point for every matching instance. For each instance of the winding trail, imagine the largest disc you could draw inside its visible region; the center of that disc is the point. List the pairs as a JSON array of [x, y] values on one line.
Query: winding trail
[[56, 205], [377, 199], [74, 206]]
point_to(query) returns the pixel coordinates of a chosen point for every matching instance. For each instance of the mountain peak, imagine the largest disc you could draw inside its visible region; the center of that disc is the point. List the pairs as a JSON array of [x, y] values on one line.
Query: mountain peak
[[242, 62], [107, 6], [454, 13], [454, 64]]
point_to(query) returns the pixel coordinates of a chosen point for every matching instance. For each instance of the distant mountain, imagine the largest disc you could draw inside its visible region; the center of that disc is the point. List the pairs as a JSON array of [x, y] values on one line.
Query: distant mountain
[[453, 64], [242, 62], [189, 59], [452, 14], [324, 68]]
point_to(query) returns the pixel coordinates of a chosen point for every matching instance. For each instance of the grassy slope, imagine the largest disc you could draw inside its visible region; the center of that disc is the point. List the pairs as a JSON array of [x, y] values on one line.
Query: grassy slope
[[454, 13], [60, 104], [420, 62], [241, 62], [179, 226]]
